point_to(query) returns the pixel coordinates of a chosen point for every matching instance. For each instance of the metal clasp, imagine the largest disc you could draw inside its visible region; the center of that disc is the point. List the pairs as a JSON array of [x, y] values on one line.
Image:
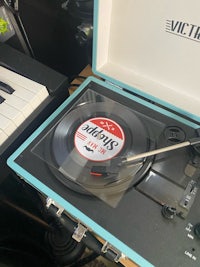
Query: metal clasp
[[79, 232], [118, 255], [50, 202]]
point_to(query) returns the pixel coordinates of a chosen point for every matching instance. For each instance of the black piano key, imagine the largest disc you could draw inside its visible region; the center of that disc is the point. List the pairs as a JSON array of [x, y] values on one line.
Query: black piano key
[[1, 99], [6, 88]]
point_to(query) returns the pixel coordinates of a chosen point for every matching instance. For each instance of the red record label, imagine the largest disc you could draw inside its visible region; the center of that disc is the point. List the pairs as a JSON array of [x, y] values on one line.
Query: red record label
[[99, 139]]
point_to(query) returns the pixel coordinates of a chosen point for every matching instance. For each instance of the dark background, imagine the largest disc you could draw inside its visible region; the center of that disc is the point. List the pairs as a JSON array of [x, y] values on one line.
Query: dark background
[[52, 28], [51, 32]]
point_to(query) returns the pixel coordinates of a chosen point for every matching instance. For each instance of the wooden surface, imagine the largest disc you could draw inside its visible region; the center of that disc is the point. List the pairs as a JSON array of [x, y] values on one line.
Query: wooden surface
[[86, 72]]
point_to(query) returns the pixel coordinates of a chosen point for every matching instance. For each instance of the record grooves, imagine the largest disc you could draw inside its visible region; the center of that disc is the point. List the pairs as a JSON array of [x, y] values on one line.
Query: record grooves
[[73, 170]]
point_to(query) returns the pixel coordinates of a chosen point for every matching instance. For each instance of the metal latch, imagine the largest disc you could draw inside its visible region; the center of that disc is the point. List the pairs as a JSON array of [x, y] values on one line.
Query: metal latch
[[118, 255], [79, 232], [60, 209]]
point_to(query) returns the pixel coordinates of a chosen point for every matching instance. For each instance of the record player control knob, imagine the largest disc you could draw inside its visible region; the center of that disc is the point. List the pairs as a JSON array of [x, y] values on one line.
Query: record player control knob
[[168, 212], [197, 230]]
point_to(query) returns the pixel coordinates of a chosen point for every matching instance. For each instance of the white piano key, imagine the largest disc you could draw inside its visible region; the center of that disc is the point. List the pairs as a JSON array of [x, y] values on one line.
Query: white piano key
[[12, 113], [32, 98], [6, 125], [17, 103], [3, 137], [17, 107], [9, 76]]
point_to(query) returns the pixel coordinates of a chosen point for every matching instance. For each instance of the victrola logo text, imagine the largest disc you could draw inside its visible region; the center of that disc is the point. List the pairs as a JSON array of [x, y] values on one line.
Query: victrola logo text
[[183, 29]]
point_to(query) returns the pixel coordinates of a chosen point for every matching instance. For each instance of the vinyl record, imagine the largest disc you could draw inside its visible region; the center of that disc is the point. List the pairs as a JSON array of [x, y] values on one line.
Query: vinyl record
[[71, 162]]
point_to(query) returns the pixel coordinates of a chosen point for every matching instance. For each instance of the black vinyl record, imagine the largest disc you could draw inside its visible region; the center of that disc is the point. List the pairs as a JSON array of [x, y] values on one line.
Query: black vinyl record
[[73, 170]]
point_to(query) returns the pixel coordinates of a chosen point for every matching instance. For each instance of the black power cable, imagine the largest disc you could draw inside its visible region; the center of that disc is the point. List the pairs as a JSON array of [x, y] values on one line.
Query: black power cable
[[85, 260], [88, 239]]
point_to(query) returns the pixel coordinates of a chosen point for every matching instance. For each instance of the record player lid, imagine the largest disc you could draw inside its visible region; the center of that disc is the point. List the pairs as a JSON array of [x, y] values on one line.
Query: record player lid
[[152, 48]]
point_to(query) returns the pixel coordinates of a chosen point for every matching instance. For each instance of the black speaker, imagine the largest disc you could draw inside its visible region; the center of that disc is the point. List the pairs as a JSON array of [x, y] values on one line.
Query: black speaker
[[51, 30]]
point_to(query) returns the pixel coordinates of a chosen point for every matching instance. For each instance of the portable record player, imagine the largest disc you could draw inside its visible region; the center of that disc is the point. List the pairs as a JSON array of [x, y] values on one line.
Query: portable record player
[[90, 156]]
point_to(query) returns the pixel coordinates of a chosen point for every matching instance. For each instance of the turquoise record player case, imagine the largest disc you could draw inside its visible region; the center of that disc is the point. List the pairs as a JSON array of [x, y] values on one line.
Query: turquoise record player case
[[147, 54]]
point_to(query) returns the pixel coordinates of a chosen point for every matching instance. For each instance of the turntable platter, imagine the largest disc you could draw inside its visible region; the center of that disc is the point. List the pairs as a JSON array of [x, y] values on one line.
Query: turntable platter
[[96, 133]]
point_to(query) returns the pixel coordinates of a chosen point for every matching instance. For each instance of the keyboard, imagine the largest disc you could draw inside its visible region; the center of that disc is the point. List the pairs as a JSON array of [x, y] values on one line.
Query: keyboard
[[19, 97]]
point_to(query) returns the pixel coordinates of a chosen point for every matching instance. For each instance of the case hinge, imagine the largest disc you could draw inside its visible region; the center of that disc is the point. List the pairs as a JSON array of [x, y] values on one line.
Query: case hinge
[[118, 255], [79, 232], [59, 208], [113, 84]]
